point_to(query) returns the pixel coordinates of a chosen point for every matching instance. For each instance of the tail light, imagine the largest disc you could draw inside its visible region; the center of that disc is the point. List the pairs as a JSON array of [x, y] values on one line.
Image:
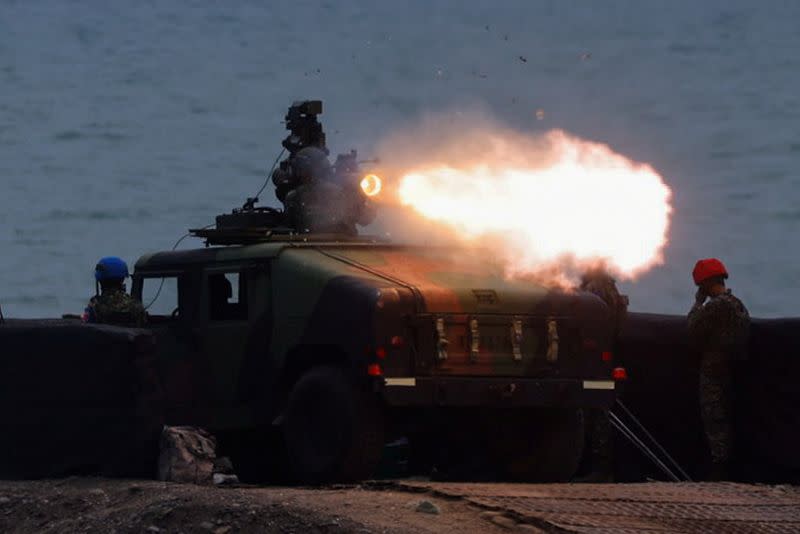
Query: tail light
[[619, 374], [374, 369], [607, 356]]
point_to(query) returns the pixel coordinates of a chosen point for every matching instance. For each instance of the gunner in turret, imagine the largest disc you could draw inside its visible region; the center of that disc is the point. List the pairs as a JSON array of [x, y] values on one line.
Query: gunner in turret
[[318, 197]]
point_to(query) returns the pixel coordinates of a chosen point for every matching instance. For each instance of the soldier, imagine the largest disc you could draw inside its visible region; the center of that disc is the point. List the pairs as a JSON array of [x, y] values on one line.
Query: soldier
[[319, 197], [112, 304], [597, 280], [718, 329]]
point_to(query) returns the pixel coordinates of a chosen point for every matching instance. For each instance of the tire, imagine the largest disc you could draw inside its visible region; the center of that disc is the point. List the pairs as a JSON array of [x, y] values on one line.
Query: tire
[[258, 454], [539, 446], [333, 431]]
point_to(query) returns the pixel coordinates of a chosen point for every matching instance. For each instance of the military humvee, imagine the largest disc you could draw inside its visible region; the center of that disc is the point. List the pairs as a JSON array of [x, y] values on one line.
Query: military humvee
[[306, 347], [308, 352]]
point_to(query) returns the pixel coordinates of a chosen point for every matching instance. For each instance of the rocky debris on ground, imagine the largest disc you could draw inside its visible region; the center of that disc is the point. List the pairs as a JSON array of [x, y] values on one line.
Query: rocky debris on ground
[[221, 479], [425, 507], [223, 465], [187, 454], [105, 506], [97, 505]]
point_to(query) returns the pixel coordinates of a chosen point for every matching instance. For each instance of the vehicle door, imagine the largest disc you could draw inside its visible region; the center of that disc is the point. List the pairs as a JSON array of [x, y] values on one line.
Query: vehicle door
[[170, 298], [233, 299]]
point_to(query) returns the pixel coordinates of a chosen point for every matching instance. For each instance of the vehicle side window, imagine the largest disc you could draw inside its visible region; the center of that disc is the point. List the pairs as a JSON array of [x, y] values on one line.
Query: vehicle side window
[[160, 296], [227, 297]]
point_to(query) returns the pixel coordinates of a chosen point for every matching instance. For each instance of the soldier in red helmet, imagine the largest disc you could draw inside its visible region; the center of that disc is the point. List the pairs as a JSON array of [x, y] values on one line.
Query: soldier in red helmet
[[719, 325]]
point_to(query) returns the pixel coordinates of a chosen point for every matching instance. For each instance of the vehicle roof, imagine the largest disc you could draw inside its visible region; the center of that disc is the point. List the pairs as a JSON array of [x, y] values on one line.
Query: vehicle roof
[[450, 279], [177, 259]]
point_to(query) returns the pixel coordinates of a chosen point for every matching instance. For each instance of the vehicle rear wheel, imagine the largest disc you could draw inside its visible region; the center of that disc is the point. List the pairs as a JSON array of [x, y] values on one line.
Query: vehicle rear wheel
[[539, 446], [333, 431]]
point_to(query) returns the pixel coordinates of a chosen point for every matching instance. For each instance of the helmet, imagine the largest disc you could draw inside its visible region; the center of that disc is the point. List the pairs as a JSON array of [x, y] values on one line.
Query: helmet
[[110, 268], [708, 268]]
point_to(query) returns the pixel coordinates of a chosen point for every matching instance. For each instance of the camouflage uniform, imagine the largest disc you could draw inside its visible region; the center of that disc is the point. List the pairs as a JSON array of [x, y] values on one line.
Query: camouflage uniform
[[600, 432], [605, 287], [719, 330], [115, 307]]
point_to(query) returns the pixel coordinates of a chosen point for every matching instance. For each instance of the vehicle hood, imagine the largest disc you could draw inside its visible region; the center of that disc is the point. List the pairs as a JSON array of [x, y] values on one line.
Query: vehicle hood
[[452, 280]]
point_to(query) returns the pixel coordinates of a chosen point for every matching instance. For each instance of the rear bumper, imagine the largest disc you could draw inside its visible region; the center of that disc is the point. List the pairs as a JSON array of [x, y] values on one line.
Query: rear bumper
[[507, 392]]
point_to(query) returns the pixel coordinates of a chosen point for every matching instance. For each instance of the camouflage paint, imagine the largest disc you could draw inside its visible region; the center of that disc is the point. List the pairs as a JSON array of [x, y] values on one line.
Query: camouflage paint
[[352, 297]]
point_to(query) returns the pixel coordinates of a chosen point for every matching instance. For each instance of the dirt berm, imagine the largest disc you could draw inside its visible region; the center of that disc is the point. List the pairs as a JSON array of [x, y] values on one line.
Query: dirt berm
[[77, 398], [662, 390]]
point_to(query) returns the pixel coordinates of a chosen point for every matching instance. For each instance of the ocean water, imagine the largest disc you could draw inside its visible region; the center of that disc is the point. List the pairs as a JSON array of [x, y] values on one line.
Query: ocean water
[[124, 123]]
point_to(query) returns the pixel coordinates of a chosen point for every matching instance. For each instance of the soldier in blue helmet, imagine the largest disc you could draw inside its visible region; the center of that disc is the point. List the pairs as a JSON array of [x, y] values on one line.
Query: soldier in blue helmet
[[112, 304]]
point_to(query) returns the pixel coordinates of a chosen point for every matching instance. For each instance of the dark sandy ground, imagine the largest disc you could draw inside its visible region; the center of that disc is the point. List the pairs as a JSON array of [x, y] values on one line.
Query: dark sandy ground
[[127, 506]]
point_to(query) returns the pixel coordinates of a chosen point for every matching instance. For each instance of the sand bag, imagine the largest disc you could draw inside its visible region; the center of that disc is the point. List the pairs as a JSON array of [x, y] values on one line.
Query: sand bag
[[187, 455]]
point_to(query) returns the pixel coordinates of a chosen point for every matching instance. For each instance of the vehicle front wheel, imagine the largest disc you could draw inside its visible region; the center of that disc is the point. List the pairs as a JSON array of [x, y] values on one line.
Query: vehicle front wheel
[[333, 430]]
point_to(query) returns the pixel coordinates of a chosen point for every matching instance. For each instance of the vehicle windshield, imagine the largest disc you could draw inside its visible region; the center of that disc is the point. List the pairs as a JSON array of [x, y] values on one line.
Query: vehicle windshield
[[159, 295]]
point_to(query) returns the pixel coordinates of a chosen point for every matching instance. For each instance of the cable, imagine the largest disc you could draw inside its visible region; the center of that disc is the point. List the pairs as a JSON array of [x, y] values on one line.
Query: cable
[[628, 433], [269, 174], [184, 236], [653, 440], [178, 242]]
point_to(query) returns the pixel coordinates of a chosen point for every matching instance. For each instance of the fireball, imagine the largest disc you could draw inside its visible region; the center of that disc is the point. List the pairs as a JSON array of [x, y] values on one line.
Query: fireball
[[583, 204]]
